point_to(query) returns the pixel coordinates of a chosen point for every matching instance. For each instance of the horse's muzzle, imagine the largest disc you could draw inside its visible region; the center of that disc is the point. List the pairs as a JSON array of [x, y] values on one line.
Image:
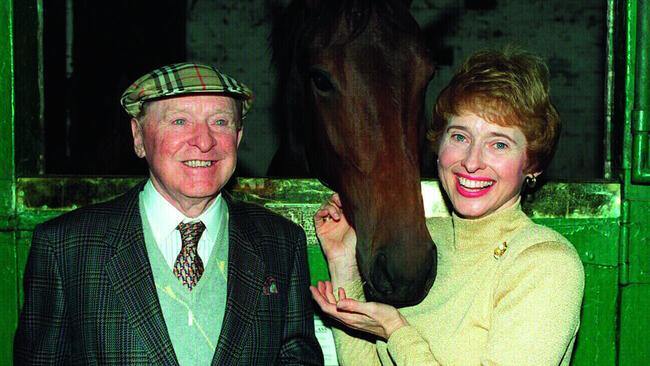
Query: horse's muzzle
[[402, 280]]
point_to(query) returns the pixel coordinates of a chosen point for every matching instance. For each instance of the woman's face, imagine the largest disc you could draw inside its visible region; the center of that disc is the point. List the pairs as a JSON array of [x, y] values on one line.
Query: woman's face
[[481, 165]]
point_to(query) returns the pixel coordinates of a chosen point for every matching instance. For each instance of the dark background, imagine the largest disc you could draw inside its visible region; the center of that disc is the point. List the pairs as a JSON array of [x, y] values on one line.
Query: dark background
[[93, 50]]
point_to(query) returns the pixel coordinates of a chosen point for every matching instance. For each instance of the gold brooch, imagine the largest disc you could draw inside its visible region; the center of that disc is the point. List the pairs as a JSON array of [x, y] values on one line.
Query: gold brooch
[[500, 250]]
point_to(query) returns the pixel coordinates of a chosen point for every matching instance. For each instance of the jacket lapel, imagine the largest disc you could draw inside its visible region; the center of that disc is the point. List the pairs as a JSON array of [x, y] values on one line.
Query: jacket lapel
[[129, 272], [245, 281]]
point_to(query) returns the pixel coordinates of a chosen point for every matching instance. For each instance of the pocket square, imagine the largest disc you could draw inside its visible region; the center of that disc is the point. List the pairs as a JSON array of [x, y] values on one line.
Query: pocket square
[[270, 286]]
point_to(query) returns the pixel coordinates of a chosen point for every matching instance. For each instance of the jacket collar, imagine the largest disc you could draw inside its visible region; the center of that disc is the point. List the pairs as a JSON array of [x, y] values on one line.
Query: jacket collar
[[245, 281], [129, 272]]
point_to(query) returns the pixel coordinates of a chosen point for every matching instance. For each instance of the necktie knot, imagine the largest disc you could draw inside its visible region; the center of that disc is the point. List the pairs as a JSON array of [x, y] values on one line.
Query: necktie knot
[[191, 232], [189, 266]]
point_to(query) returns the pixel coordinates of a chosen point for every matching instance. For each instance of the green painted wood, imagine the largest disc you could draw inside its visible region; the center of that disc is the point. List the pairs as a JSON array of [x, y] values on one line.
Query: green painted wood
[[641, 112], [587, 214], [596, 343], [633, 103], [596, 240], [8, 294], [8, 288], [635, 323], [7, 168], [23, 242], [639, 236]]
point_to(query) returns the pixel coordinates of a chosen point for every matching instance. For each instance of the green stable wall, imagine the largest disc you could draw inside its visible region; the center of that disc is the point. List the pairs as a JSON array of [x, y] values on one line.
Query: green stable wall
[[586, 213]]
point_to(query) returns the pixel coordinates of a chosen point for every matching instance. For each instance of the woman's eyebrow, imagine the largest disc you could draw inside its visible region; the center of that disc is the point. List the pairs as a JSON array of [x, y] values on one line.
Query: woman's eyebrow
[[503, 135], [457, 127]]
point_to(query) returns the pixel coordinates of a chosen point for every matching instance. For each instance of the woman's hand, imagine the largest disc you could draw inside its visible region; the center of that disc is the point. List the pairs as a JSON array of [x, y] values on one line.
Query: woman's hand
[[371, 317], [338, 240]]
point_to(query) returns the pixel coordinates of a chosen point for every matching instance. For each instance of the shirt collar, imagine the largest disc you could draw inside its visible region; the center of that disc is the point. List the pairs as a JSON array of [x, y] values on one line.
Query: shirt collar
[[164, 217]]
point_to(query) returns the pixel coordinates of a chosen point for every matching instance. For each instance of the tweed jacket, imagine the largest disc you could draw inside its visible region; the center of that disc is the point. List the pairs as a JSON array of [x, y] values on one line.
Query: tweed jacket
[[90, 296]]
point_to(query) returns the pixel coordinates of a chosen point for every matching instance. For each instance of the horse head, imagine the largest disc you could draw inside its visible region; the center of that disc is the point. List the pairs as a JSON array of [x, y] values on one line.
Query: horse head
[[356, 73]]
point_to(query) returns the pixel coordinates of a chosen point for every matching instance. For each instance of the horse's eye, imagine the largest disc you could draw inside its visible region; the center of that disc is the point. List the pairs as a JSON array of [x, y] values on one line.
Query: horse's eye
[[321, 81]]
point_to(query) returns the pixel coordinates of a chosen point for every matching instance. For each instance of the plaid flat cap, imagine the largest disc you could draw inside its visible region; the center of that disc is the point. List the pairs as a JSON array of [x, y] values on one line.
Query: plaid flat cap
[[180, 79]]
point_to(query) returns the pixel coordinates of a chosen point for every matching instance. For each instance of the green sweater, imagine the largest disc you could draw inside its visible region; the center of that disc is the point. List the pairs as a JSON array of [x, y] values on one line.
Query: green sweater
[[521, 307], [193, 318]]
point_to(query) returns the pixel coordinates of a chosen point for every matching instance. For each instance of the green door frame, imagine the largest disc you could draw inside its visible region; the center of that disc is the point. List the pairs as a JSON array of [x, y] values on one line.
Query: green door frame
[[8, 293], [640, 120], [633, 100]]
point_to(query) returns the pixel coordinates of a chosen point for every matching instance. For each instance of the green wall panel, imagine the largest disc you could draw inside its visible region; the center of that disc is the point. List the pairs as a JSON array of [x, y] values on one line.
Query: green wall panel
[[586, 213], [596, 240], [23, 242], [635, 321], [639, 247], [596, 343], [8, 294], [8, 288], [7, 171]]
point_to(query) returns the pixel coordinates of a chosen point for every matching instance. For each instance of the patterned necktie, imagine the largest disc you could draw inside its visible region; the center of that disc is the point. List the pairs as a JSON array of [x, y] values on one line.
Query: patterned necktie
[[189, 266]]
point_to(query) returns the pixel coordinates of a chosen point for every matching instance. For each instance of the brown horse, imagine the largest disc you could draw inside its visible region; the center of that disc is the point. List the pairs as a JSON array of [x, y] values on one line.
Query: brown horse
[[355, 73]]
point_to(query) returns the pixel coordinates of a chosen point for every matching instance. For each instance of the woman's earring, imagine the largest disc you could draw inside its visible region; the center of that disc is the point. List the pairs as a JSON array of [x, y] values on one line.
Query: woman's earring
[[531, 181]]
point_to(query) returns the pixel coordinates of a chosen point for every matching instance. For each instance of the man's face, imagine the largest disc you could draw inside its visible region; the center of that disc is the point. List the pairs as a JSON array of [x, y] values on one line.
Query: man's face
[[190, 143]]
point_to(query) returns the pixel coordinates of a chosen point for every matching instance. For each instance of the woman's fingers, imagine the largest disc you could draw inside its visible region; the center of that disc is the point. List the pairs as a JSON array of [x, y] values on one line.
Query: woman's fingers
[[324, 289], [322, 302], [325, 213], [342, 293], [379, 319], [331, 208], [324, 297], [336, 199], [329, 292]]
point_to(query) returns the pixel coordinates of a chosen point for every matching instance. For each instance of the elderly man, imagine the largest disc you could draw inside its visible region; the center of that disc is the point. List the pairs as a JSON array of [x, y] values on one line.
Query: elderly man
[[175, 271]]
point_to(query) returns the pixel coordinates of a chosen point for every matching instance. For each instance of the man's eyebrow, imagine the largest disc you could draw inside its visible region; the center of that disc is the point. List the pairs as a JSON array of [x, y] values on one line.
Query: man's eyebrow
[[186, 110], [222, 110]]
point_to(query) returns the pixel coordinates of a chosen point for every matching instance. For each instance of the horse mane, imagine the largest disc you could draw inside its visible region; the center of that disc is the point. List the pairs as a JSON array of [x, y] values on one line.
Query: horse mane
[[292, 31]]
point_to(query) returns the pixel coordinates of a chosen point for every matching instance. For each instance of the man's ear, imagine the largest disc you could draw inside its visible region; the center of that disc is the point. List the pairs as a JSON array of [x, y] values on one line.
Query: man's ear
[[240, 133], [138, 139]]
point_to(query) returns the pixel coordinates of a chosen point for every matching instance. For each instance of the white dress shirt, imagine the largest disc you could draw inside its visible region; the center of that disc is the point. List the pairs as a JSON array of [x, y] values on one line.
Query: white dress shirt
[[164, 218]]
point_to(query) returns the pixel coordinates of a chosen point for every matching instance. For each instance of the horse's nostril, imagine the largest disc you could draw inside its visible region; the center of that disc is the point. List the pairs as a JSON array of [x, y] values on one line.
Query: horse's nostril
[[381, 277]]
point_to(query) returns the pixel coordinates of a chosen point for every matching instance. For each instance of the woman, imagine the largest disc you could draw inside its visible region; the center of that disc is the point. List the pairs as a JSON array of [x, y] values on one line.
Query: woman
[[508, 291]]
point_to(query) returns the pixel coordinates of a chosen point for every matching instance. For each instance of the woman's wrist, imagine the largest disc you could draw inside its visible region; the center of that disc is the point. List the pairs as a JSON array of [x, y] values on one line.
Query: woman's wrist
[[343, 271], [394, 324]]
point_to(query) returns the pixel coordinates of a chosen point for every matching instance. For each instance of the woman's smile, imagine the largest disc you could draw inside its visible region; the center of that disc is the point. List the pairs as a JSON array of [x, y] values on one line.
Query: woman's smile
[[473, 187], [481, 165]]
